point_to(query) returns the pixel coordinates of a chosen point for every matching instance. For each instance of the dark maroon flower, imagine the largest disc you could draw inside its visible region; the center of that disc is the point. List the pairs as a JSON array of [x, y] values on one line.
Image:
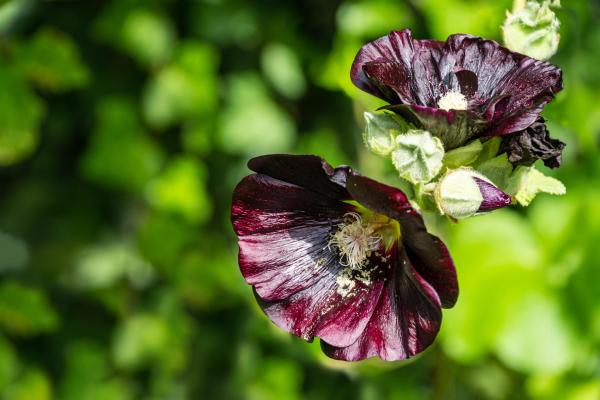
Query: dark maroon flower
[[342, 257], [532, 144], [462, 88]]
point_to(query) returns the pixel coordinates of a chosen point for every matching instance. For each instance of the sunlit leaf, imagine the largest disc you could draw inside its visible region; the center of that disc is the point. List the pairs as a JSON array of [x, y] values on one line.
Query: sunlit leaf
[[21, 112], [25, 311], [140, 340], [252, 123], [105, 265], [185, 88], [282, 68], [51, 60], [180, 189], [33, 384]]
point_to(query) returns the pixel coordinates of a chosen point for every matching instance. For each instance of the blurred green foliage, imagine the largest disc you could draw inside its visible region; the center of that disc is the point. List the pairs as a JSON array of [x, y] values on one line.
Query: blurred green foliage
[[125, 125]]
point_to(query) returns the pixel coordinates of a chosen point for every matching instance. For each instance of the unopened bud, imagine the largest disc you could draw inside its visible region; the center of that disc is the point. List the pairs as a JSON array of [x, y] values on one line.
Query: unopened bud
[[381, 128], [533, 29], [463, 192]]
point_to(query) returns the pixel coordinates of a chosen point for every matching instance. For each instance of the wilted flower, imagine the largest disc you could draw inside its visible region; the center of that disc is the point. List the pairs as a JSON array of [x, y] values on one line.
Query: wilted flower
[[463, 192], [531, 144], [339, 256], [462, 88]]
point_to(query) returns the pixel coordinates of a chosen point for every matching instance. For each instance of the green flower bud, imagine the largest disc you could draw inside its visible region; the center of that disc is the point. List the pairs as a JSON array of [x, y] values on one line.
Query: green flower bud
[[463, 192], [532, 28], [380, 130], [418, 156]]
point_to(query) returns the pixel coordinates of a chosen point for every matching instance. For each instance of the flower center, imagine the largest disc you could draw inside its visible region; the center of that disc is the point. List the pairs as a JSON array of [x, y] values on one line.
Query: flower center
[[453, 100], [362, 234], [355, 240]]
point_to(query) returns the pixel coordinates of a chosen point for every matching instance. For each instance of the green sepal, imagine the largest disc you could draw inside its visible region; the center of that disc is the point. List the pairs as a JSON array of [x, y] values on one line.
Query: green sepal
[[418, 156], [526, 182], [465, 155], [381, 128]]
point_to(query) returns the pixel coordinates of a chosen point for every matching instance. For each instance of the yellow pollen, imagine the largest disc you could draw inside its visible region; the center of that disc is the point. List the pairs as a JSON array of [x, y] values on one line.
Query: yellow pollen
[[453, 100]]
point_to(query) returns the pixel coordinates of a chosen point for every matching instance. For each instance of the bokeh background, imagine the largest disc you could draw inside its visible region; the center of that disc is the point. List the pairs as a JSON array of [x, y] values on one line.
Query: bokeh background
[[125, 125]]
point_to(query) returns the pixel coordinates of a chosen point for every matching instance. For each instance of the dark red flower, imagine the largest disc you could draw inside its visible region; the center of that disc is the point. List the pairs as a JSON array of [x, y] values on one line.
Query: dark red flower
[[462, 88], [342, 257]]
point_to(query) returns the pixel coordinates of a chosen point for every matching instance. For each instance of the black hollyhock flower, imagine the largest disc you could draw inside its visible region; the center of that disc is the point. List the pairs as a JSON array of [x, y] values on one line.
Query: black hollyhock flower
[[531, 144], [342, 257], [462, 88]]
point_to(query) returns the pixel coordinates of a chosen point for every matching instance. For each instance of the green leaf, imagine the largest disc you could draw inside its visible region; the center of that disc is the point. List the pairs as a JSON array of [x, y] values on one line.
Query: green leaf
[[282, 68], [21, 112], [418, 156], [9, 363], [497, 170], [146, 34], [15, 253], [25, 311], [381, 129], [87, 375], [180, 189], [142, 339], [526, 182], [32, 384], [489, 149], [252, 123], [184, 89], [102, 266], [120, 154], [52, 62], [462, 156]]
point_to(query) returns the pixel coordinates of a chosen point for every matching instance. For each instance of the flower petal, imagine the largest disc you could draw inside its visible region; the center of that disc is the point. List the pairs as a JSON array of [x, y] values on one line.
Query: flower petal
[[427, 252], [397, 60], [453, 127], [532, 144], [405, 322], [283, 232], [322, 310], [528, 83], [308, 171]]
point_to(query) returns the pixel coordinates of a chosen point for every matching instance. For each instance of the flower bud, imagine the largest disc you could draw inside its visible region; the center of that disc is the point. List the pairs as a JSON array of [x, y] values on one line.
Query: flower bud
[[418, 156], [463, 192], [532, 29], [380, 130]]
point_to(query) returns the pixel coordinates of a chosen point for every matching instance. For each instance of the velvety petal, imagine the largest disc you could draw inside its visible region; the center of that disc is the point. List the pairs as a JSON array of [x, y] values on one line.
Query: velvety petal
[[308, 171], [506, 91], [322, 310], [415, 78], [453, 127], [405, 322], [283, 231], [489, 61], [528, 84], [427, 252]]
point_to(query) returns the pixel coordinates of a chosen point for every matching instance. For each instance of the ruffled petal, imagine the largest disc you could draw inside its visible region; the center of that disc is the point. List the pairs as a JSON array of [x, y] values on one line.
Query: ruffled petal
[[398, 62], [405, 322], [283, 232], [528, 84], [428, 254]]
